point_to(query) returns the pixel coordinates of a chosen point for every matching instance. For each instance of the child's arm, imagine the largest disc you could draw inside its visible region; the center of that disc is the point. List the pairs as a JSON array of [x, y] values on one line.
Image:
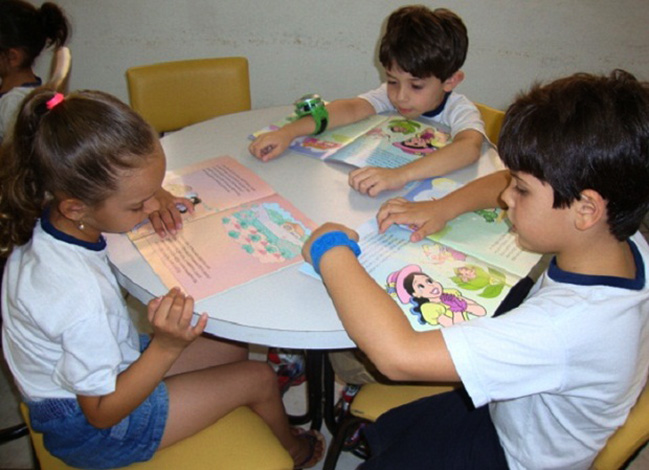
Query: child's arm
[[168, 217], [426, 217], [341, 112], [463, 151], [171, 319], [375, 322]]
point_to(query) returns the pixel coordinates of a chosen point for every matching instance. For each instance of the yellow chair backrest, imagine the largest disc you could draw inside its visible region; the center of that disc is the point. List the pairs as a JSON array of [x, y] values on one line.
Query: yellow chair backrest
[[60, 68], [632, 435], [173, 95], [493, 121], [239, 440]]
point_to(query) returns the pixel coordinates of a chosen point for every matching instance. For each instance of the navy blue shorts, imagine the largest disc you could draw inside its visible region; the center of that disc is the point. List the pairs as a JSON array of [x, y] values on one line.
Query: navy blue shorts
[[444, 431], [68, 435]]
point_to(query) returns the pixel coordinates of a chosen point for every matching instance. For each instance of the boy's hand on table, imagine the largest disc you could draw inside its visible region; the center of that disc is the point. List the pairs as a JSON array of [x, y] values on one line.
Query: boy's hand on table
[[325, 228], [170, 316], [168, 219], [372, 180], [270, 145], [423, 217]]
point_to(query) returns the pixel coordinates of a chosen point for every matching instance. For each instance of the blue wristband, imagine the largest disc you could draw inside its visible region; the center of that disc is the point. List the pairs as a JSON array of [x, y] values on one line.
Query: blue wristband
[[328, 241]]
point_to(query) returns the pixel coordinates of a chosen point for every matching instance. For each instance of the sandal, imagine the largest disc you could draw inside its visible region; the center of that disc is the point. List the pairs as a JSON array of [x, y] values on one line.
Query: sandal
[[316, 442]]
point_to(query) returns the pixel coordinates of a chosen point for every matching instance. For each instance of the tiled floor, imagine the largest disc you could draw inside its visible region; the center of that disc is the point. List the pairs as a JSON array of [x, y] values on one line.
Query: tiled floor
[[17, 455]]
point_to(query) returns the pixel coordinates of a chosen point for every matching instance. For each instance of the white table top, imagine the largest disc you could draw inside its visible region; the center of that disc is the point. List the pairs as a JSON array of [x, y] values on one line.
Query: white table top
[[286, 308]]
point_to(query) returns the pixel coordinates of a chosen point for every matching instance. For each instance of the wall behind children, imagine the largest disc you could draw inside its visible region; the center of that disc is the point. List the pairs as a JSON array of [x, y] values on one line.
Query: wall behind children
[[330, 46]]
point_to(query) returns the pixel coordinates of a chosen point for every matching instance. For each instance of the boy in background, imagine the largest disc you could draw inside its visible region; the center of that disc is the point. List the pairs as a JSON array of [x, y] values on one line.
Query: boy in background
[[546, 384], [422, 52]]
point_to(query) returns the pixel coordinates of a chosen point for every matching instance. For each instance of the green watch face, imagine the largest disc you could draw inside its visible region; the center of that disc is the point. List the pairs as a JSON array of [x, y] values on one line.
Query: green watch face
[[312, 105], [307, 104]]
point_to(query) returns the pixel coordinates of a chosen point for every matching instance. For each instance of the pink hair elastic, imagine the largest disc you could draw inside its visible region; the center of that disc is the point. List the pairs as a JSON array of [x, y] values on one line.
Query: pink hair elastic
[[54, 100]]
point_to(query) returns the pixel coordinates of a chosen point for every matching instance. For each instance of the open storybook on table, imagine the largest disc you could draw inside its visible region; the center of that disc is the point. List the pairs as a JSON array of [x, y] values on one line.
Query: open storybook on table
[[381, 140], [458, 274], [241, 229]]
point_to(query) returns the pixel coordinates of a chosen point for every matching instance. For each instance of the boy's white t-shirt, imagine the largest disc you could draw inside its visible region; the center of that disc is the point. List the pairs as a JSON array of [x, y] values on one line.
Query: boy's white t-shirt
[[561, 372], [459, 113], [66, 328]]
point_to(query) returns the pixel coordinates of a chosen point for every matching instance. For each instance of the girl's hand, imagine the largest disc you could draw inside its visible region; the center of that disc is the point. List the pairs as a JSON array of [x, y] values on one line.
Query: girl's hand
[[317, 233], [168, 218], [423, 217], [270, 145], [170, 316]]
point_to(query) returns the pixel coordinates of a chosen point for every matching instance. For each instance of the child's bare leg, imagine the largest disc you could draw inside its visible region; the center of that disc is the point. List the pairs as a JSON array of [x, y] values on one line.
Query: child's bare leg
[[198, 399], [207, 352]]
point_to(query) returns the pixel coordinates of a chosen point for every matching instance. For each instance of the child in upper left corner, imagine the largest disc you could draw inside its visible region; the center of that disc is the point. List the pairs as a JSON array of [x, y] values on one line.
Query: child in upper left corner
[[24, 32], [422, 52]]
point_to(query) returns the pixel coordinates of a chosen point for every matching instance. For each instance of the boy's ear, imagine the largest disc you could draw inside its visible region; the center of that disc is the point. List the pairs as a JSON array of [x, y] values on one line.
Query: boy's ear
[[453, 81], [72, 209], [589, 209], [15, 57]]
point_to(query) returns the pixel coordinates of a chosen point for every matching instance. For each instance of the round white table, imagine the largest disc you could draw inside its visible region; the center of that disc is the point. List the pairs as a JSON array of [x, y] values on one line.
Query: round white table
[[287, 308]]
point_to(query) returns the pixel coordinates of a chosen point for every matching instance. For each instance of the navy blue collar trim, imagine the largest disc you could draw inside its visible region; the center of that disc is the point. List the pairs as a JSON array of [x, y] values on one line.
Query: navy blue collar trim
[[439, 109], [64, 237], [557, 274], [34, 84]]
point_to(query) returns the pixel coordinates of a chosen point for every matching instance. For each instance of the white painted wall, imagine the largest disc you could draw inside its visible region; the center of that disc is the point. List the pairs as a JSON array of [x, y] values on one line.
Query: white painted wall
[[329, 46]]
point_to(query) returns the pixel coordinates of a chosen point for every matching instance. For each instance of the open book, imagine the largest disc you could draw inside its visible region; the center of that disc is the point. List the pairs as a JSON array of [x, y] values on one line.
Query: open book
[[240, 230], [461, 273], [383, 140]]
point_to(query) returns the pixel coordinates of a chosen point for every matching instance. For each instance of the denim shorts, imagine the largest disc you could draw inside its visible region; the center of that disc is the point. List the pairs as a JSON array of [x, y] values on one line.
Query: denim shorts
[[68, 435]]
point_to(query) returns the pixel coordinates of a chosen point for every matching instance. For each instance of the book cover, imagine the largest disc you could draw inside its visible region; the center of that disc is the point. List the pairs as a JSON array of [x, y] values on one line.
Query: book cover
[[382, 140], [241, 230], [459, 274]]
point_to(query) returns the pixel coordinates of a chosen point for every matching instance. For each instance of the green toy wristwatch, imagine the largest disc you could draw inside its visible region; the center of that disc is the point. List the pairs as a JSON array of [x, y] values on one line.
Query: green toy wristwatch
[[312, 105]]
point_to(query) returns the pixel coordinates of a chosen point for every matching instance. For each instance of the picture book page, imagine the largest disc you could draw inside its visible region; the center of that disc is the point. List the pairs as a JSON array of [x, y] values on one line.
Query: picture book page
[[485, 234], [394, 143], [213, 185], [230, 247], [434, 285], [324, 145]]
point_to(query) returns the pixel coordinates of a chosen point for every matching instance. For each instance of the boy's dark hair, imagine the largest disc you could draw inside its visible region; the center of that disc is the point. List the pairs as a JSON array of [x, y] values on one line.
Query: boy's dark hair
[[585, 132], [424, 43], [23, 26]]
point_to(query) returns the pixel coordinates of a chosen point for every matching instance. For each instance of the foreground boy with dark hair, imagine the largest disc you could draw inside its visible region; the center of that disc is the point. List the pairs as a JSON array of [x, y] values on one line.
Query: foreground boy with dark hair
[[546, 384]]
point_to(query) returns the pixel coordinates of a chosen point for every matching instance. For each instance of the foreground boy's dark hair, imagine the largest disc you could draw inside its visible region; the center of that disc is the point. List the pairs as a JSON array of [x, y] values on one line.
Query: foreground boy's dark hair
[[424, 43], [585, 132]]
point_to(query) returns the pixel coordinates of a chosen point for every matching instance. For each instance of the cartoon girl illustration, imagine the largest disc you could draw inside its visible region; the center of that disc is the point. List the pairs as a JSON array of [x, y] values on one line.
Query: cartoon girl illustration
[[423, 143], [429, 301]]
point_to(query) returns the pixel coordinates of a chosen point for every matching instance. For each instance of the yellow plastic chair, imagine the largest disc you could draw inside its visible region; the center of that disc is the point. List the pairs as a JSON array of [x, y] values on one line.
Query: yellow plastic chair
[[375, 399], [372, 401], [60, 69], [493, 121], [239, 440], [173, 95], [631, 436]]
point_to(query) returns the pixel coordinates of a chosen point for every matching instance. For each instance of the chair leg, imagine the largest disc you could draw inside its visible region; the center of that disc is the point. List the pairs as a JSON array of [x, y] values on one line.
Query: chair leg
[[12, 433], [329, 379], [345, 429]]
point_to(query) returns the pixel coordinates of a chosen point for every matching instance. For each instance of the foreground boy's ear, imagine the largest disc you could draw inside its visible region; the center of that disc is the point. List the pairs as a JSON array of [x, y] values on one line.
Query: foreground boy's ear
[[453, 81], [589, 209], [72, 209]]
